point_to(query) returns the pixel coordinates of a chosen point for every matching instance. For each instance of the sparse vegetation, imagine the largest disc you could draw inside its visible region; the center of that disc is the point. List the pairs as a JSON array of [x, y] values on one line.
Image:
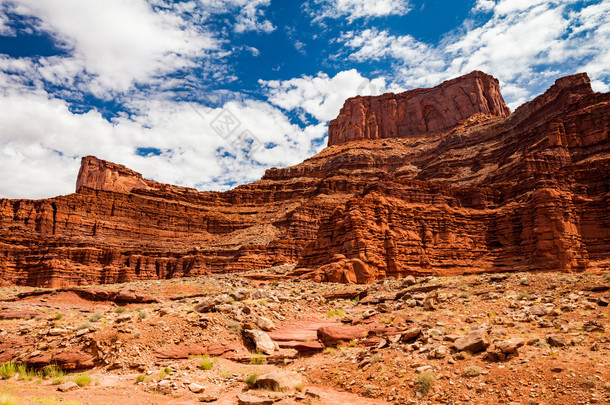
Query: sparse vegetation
[[424, 382], [463, 294], [251, 379], [120, 310], [140, 378], [6, 399], [58, 316], [258, 360], [473, 371], [206, 364], [7, 370], [142, 314], [25, 374], [95, 317], [83, 379], [165, 372], [85, 325]]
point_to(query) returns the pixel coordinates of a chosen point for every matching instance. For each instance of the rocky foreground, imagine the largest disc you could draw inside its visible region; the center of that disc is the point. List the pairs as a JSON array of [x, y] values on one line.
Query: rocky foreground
[[539, 338]]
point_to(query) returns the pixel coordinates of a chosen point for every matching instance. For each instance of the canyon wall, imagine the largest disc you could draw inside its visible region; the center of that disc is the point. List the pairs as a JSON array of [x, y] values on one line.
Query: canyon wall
[[397, 192], [419, 111]]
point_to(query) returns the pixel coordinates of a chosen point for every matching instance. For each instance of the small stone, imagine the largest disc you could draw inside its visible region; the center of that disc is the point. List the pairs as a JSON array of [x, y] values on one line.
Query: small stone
[[556, 341], [247, 399], [261, 340], [196, 388], [67, 386]]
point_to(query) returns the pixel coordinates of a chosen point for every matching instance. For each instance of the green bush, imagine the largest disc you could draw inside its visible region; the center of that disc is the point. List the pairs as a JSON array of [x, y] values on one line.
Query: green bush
[[83, 380], [206, 364], [424, 382], [120, 310], [95, 317], [7, 370], [251, 379]]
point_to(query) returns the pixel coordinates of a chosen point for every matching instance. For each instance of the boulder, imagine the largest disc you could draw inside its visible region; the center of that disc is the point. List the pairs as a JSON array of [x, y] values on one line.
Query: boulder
[[334, 335], [279, 381], [474, 341], [261, 340]]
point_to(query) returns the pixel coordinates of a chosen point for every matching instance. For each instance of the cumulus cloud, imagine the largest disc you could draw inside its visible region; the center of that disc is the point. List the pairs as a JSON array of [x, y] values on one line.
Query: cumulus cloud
[[356, 9], [526, 44], [117, 43], [41, 142], [320, 96]]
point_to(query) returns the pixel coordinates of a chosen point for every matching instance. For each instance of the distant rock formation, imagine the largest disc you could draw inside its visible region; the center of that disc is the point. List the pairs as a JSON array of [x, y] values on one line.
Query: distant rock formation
[[437, 181], [417, 111]]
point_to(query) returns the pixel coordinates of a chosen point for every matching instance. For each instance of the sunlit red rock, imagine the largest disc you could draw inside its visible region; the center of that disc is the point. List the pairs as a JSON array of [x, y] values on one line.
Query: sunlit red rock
[[465, 189]]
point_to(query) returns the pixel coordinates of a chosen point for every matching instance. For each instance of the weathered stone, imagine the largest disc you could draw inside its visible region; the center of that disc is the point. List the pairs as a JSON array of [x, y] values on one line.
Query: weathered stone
[[261, 340], [334, 335], [279, 381], [247, 399], [474, 341], [68, 386], [196, 388]]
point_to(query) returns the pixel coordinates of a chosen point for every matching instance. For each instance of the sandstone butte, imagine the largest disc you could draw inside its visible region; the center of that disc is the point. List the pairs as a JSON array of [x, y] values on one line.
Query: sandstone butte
[[430, 181]]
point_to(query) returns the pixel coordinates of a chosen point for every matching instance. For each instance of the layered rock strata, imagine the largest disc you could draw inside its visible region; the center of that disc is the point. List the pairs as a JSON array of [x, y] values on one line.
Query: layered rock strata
[[476, 190]]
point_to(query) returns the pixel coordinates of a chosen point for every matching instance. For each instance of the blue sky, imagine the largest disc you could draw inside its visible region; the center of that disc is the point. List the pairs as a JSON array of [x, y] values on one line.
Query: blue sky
[[210, 93]]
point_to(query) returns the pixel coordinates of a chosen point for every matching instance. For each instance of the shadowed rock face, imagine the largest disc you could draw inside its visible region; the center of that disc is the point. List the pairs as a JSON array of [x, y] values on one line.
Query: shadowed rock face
[[419, 111], [472, 190]]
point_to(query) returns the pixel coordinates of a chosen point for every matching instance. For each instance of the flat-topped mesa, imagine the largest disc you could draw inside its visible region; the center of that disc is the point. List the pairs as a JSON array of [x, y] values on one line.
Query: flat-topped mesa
[[417, 111], [102, 175]]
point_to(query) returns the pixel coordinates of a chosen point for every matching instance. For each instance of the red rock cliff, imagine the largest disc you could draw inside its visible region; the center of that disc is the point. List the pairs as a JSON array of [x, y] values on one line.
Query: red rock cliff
[[417, 111], [525, 192]]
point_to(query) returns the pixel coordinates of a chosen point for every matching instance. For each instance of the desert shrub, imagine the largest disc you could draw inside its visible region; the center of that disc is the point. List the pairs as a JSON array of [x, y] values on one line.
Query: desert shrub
[[251, 379], [142, 314], [206, 364], [83, 380], [84, 325], [140, 378], [463, 294], [424, 382], [165, 372], [58, 316], [7, 370], [52, 371], [25, 374], [473, 371], [258, 360], [120, 310], [95, 317]]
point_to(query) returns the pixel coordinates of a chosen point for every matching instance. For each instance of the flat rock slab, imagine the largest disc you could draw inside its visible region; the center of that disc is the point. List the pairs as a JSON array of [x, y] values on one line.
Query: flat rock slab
[[7, 315], [303, 331], [247, 399], [328, 396]]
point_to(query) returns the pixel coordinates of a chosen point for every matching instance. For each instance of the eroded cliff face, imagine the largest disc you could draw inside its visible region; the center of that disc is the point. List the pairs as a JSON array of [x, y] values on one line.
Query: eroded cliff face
[[477, 191], [417, 112]]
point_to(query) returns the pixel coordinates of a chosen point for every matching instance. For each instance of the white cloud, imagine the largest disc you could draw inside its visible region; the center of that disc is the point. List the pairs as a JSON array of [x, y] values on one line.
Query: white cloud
[[41, 142], [526, 44], [355, 9], [321, 96], [118, 42]]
